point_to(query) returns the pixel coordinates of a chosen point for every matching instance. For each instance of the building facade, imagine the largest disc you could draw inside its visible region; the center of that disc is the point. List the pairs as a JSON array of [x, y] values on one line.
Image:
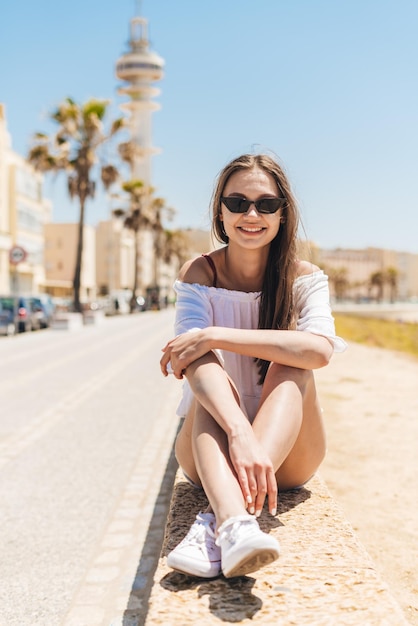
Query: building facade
[[60, 258], [115, 257], [370, 273], [23, 213], [5, 228]]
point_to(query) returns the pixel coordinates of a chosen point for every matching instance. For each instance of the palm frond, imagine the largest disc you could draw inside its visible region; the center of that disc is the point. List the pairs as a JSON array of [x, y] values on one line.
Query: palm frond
[[42, 160], [95, 108], [117, 125], [109, 175]]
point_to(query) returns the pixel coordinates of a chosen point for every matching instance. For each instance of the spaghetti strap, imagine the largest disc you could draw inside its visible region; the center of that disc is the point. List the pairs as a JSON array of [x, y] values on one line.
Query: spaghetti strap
[[213, 268]]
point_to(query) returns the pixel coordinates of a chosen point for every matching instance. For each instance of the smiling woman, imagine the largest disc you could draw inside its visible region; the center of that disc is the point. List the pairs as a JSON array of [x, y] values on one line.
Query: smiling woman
[[253, 422], [252, 206]]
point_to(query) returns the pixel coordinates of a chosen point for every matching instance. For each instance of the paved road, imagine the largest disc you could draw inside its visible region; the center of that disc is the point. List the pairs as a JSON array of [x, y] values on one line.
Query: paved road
[[87, 424]]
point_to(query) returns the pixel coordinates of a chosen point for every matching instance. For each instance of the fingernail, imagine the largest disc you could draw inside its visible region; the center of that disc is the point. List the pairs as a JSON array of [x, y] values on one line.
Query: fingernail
[[249, 499], [273, 511], [257, 513], [251, 510]]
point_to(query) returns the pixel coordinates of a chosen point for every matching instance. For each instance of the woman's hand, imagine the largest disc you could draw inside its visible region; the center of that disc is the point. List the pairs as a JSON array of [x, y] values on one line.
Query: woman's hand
[[183, 350], [254, 471]]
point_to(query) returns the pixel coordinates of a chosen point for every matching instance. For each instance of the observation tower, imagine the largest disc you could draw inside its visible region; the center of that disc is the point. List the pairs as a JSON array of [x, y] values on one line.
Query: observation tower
[[139, 69]]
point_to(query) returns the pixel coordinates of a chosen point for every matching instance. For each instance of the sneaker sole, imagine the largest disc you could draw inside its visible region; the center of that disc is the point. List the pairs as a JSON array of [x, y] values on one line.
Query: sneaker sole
[[252, 562], [194, 573]]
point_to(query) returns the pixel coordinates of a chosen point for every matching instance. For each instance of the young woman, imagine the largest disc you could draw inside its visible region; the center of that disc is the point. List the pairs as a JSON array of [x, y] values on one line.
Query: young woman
[[252, 322]]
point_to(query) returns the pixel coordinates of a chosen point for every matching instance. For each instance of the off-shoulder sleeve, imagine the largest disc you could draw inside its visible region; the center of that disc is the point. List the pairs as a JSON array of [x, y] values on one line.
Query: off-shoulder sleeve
[[193, 309], [312, 302]]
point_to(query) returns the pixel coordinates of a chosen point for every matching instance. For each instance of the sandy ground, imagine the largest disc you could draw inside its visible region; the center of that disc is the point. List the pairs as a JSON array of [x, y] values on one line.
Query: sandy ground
[[370, 402]]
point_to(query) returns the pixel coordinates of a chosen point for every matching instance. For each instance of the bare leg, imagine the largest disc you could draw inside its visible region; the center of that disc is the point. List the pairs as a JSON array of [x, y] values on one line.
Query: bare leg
[[202, 452], [210, 450], [289, 424], [183, 447], [240, 547]]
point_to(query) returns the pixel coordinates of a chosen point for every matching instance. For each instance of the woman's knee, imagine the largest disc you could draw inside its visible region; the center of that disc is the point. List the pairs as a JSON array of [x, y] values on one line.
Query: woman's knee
[[185, 459], [278, 374]]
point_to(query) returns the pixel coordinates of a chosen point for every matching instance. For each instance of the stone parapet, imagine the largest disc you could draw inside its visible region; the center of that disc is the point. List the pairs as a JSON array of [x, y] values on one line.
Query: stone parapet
[[324, 576]]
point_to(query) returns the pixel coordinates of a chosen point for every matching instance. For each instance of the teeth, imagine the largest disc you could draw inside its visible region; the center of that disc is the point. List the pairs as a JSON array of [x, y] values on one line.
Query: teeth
[[251, 230]]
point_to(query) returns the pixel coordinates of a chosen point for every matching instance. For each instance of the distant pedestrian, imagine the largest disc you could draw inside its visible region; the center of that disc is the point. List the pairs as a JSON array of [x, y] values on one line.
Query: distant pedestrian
[[252, 322]]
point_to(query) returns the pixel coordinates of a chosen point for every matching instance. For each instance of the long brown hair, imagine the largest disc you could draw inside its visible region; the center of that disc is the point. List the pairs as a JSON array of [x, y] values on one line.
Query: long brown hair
[[276, 300]]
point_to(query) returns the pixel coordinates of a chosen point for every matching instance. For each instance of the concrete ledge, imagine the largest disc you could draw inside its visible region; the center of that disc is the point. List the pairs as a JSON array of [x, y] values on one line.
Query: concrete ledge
[[67, 321], [93, 317], [324, 576]]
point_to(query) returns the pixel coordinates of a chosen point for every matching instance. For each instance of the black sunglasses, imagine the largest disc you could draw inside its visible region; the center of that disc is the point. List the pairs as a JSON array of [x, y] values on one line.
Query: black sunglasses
[[241, 205]]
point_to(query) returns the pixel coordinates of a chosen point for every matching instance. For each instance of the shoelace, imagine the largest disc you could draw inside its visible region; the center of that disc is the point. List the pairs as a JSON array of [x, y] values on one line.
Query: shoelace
[[198, 530], [230, 528]]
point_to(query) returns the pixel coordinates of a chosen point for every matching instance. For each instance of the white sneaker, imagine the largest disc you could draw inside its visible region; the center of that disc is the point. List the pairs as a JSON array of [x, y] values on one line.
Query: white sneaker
[[198, 553], [244, 547]]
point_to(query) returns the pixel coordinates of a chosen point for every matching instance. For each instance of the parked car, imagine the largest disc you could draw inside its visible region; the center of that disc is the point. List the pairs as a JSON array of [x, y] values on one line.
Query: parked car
[[42, 309], [17, 312], [26, 317], [8, 312], [49, 304]]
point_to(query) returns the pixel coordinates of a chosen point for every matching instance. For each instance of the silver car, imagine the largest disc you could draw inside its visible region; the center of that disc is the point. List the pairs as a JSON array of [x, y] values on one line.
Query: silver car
[[8, 315]]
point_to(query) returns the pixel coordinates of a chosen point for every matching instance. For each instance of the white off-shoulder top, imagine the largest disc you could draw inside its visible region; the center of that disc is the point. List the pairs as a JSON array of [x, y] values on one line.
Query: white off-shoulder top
[[199, 306]]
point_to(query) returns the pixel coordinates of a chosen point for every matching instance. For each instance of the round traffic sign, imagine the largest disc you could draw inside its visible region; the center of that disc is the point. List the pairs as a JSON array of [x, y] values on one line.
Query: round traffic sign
[[17, 255]]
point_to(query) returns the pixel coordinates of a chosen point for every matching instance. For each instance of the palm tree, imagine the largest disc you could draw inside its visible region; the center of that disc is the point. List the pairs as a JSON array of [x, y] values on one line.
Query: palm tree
[[177, 247], [73, 149], [377, 279], [160, 212], [136, 218], [338, 278], [145, 213], [391, 276]]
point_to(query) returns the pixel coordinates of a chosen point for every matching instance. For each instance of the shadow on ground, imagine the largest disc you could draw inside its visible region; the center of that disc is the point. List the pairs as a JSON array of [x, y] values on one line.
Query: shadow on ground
[[230, 600]]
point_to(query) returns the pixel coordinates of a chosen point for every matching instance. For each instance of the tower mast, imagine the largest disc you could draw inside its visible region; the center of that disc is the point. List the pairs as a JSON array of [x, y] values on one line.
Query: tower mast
[[139, 69]]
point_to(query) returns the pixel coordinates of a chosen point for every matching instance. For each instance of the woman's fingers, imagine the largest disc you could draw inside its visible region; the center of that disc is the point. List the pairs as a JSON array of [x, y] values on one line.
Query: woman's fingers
[[261, 493], [164, 361], [173, 361], [261, 484], [252, 483], [243, 481], [169, 363]]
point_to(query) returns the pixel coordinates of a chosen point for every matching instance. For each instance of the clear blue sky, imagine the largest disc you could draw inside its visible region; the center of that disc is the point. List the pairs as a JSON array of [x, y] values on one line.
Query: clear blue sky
[[331, 86]]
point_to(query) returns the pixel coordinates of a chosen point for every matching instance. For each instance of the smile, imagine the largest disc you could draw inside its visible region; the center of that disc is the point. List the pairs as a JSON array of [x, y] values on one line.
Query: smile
[[248, 229]]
